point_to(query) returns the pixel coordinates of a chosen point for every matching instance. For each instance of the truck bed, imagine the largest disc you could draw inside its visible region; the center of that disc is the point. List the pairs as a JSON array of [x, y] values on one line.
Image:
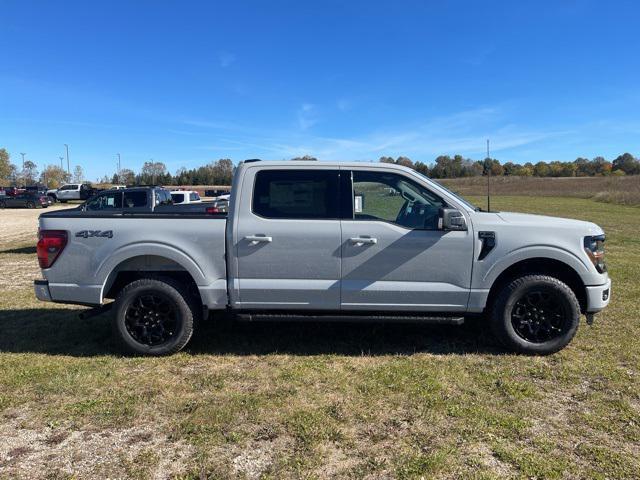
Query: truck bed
[[102, 245]]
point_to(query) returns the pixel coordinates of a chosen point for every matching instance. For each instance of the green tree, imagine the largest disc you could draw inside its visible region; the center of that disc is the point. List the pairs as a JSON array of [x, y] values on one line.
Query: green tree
[[421, 167], [627, 163], [29, 172], [152, 172], [541, 169], [5, 166], [53, 176], [78, 174]]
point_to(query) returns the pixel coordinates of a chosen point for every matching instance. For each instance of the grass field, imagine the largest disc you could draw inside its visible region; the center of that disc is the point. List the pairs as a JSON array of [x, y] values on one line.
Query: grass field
[[321, 400]]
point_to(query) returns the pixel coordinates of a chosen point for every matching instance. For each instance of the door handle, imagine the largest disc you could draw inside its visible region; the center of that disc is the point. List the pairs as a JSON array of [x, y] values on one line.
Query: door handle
[[363, 240], [258, 239]]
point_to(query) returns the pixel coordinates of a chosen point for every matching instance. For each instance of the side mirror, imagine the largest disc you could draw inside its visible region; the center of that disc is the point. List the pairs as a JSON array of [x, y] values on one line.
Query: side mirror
[[452, 219]]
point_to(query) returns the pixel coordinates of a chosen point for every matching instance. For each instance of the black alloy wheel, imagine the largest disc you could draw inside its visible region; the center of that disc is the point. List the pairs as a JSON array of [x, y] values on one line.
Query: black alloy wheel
[[152, 319], [540, 315], [155, 316], [535, 314]]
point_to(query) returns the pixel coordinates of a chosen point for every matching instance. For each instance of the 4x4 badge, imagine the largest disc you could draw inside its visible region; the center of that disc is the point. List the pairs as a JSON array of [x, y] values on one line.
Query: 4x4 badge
[[95, 233]]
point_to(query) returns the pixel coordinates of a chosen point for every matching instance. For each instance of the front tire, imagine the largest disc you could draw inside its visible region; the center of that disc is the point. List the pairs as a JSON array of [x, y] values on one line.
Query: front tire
[[535, 315], [154, 316], [31, 205]]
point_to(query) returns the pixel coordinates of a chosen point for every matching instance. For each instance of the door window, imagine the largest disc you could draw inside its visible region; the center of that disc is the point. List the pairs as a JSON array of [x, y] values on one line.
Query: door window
[[394, 198], [296, 194]]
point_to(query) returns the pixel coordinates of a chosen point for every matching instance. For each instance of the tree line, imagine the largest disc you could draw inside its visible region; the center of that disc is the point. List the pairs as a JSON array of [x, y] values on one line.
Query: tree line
[[458, 166], [220, 172]]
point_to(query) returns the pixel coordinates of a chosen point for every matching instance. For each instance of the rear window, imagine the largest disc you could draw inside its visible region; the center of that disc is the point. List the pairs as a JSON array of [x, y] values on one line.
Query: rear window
[[135, 199], [194, 197], [177, 197], [296, 194], [105, 201]]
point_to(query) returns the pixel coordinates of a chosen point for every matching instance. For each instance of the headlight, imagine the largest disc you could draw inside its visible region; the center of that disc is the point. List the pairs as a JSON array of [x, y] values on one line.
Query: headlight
[[594, 246]]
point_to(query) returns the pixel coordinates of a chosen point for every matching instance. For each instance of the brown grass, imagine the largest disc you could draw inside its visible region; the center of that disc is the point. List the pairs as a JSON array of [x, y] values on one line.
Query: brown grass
[[278, 400], [619, 190]]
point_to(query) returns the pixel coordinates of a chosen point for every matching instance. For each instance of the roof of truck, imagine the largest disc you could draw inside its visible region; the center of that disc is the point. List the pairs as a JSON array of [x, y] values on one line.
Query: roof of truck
[[321, 164]]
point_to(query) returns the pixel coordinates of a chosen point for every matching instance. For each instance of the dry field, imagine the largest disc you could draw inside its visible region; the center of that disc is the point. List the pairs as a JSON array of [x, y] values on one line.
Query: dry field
[[611, 189], [319, 400]]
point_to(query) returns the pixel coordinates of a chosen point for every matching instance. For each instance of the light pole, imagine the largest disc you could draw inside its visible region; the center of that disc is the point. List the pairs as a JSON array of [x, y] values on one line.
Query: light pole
[[68, 169], [61, 167], [119, 181], [23, 154]]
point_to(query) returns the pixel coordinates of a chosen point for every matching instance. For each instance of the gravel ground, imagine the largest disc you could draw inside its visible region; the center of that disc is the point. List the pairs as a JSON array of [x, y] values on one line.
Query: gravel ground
[[21, 224]]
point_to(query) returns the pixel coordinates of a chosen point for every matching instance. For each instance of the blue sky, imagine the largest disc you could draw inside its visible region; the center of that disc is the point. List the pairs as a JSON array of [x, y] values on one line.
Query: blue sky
[[190, 82]]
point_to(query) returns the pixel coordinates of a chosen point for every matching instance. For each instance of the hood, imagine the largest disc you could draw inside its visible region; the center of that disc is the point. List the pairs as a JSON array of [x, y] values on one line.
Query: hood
[[530, 220]]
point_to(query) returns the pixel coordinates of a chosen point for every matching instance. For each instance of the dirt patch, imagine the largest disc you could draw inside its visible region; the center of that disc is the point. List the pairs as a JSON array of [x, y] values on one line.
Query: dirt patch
[[21, 224], [36, 453]]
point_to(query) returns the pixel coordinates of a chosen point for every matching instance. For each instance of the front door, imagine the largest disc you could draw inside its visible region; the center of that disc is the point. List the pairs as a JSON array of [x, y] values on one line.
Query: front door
[[394, 257], [288, 240]]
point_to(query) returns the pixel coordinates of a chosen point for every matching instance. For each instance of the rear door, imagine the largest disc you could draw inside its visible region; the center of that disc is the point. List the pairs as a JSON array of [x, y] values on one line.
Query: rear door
[[287, 241], [394, 257]]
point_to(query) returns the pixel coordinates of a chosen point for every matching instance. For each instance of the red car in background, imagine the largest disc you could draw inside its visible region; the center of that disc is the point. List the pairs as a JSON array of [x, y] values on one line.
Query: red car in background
[[24, 200], [11, 191]]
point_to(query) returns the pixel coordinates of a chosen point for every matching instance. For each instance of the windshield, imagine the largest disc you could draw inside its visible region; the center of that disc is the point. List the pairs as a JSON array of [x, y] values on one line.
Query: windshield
[[453, 194]]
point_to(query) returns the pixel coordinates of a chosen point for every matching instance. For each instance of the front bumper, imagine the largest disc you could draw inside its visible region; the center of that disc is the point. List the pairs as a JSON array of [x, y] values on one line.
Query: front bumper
[[41, 288], [598, 296]]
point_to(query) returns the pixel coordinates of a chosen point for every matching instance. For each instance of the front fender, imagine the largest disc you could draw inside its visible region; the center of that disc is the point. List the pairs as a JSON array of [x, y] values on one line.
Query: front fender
[[489, 276]]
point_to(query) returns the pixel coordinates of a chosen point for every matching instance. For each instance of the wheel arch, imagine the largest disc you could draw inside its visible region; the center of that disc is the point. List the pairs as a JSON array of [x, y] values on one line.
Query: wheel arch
[[136, 267], [541, 266]]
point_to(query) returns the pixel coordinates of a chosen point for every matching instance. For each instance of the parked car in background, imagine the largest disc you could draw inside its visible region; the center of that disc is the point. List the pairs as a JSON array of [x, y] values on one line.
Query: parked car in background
[[325, 241], [72, 191], [214, 193], [13, 191], [185, 196], [138, 200], [24, 200]]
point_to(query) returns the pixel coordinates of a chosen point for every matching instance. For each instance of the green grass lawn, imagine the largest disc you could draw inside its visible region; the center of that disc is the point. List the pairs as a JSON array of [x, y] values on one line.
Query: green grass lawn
[[320, 400]]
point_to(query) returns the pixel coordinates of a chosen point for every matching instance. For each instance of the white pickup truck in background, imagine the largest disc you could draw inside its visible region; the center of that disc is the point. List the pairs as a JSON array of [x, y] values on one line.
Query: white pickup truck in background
[[185, 196], [325, 241]]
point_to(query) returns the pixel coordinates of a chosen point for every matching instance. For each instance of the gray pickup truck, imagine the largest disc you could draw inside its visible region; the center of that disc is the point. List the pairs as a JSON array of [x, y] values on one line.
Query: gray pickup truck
[[327, 241]]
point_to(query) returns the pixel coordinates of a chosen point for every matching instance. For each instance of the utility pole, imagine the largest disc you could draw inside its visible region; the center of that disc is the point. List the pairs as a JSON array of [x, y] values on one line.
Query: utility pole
[[488, 179], [23, 154], [154, 172], [118, 172], [68, 169], [61, 167]]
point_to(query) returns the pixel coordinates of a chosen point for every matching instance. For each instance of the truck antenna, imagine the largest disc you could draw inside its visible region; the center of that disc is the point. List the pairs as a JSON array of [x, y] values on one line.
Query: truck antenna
[[488, 179]]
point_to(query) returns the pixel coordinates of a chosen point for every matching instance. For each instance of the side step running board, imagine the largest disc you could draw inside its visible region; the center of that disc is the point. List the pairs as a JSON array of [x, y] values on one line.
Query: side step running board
[[288, 317]]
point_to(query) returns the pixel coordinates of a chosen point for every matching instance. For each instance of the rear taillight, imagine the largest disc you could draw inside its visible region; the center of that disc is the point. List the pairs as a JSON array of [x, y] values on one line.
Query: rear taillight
[[50, 246], [211, 210]]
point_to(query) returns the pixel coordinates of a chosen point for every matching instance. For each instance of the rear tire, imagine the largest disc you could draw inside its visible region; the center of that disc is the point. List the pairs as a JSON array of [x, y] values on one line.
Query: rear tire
[[3, 205], [154, 316], [535, 315], [31, 205]]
